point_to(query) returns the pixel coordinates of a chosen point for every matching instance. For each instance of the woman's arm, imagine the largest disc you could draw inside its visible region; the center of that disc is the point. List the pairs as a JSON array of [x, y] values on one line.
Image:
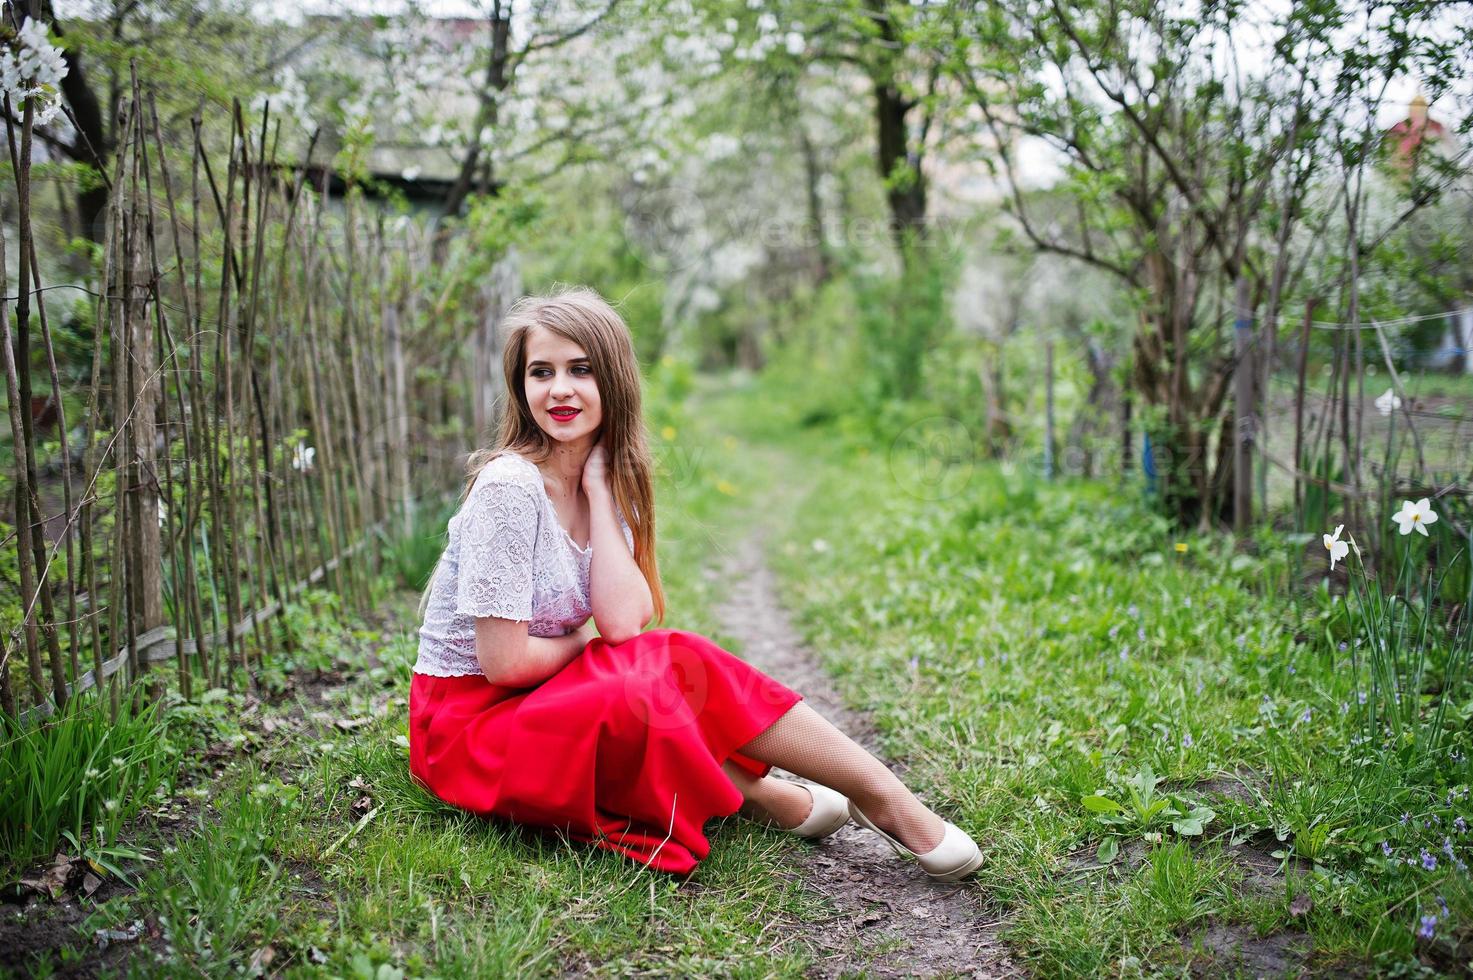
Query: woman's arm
[[621, 599], [620, 596], [509, 657]]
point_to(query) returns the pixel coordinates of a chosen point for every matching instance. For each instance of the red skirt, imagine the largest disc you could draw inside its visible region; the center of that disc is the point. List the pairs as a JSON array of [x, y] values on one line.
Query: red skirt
[[622, 748]]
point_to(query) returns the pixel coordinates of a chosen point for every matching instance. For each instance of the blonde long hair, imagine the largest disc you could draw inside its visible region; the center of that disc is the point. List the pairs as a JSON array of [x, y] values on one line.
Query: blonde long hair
[[581, 315]]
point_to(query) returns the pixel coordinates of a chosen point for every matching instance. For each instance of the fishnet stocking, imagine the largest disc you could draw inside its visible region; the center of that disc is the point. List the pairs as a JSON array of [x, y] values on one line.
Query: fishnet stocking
[[804, 743], [770, 800]]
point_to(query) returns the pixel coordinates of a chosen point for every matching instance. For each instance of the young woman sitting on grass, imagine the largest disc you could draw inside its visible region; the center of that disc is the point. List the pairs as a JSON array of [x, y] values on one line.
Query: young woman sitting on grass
[[625, 739]]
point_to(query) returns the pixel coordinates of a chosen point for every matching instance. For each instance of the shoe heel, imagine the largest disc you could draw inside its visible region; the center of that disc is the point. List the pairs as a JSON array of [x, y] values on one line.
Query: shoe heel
[[857, 815]]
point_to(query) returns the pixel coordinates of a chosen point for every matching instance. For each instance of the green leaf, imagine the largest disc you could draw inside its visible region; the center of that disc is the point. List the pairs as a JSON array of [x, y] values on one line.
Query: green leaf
[[1100, 804], [1109, 849], [1187, 826]]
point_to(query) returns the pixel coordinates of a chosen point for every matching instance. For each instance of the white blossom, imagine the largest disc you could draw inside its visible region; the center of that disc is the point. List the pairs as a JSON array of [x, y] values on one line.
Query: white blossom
[[303, 457], [719, 146], [1338, 549], [794, 43], [48, 111], [1415, 516], [1388, 402], [31, 69]]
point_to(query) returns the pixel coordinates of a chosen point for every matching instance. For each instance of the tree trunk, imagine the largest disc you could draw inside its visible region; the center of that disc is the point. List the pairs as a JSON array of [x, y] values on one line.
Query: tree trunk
[[472, 165]]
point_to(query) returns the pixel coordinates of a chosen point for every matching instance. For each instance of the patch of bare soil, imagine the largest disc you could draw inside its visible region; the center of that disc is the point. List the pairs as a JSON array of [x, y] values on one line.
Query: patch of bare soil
[[1240, 787], [1231, 950], [34, 929], [889, 920]]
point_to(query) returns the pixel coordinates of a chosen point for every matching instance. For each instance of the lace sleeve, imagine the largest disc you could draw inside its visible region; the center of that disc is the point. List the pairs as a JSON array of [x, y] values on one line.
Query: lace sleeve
[[498, 528]]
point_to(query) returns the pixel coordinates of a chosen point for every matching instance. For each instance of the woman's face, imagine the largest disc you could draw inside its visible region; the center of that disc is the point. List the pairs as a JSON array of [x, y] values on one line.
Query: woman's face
[[559, 377]]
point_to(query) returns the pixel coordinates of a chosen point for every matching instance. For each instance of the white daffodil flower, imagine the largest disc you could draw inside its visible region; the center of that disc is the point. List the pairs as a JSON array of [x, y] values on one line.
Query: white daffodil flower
[[1388, 402], [1338, 549], [1415, 515], [302, 458]]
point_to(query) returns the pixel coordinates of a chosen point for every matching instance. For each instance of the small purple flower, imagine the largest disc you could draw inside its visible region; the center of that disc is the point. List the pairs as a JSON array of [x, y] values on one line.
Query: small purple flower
[[1133, 611], [1443, 906], [1140, 634], [1460, 825], [1125, 653], [1429, 923], [1386, 848], [1306, 716], [1406, 818], [1113, 630], [915, 661], [982, 661], [1429, 863], [1342, 646], [1447, 847], [1361, 697], [1292, 670], [1186, 740], [1199, 687], [1344, 708]]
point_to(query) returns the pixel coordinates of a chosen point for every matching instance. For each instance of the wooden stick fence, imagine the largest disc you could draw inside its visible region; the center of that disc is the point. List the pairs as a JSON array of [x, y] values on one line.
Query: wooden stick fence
[[252, 409]]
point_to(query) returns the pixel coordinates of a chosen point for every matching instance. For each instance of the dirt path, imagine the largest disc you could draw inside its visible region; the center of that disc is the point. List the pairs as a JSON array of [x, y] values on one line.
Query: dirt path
[[890, 919]]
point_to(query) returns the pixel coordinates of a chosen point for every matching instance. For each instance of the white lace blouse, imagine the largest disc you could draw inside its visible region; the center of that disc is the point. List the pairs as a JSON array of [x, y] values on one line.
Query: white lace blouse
[[507, 556]]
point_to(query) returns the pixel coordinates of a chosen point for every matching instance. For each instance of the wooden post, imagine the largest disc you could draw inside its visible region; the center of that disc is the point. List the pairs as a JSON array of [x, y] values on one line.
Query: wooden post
[[398, 434], [1301, 368], [1048, 410], [1243, 409]]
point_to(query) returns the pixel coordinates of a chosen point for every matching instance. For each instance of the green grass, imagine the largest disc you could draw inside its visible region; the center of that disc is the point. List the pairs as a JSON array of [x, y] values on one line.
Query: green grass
[[79, 773], [1028, 645], [276, 857], [1023, 646]]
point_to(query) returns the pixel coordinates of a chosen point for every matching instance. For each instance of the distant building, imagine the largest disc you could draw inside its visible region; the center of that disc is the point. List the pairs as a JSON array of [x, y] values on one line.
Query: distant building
[[1410, 140]]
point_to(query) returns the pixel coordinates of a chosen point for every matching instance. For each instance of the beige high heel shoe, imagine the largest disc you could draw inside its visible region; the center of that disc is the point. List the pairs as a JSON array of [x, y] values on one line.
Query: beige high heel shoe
[[955, 857], [830, 812]]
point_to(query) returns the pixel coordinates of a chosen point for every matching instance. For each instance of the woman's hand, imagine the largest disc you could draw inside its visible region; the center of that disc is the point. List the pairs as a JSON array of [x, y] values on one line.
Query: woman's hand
[[596, 470]]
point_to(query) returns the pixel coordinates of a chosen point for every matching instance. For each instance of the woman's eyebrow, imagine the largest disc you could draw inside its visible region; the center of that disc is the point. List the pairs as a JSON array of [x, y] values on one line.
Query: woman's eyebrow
[[571, 360]]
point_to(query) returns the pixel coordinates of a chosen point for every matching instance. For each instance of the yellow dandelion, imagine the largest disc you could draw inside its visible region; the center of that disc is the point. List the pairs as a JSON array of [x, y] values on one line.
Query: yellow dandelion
[[667, 433], [1181, 547]]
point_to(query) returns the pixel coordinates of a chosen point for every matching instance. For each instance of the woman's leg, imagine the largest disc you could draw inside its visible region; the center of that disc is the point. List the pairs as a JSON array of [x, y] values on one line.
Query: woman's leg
[[803, 742], [783, 802]]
